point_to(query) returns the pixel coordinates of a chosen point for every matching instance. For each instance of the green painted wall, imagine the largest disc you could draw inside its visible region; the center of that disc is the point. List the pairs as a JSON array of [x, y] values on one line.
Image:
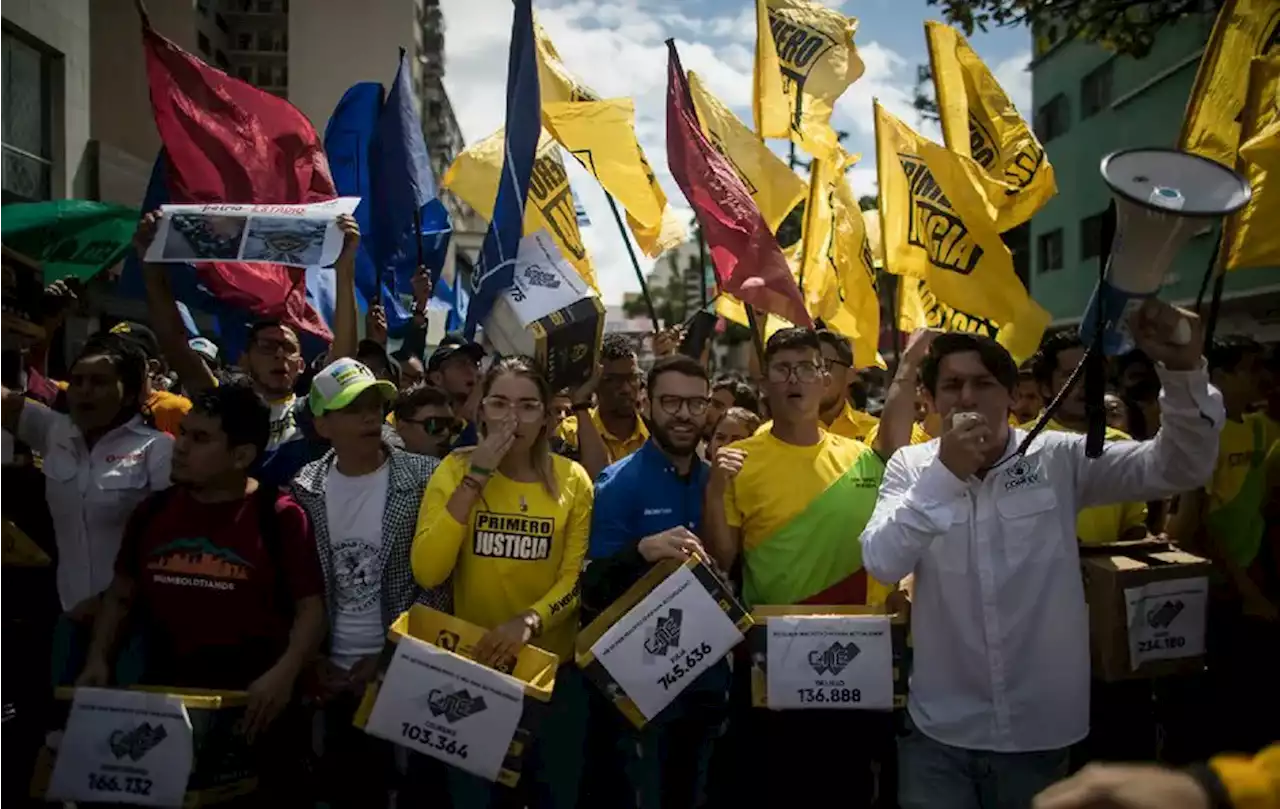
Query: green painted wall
[[1148, 98]]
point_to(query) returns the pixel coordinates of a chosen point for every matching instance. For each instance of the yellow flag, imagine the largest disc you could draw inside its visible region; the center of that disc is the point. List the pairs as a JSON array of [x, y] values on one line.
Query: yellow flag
[[851, 303], [549, 205], [979, 121], [938, 224], [1246, 245], [919, 308], [1244, 29], [814, 53], [775, 188], [602, 137]]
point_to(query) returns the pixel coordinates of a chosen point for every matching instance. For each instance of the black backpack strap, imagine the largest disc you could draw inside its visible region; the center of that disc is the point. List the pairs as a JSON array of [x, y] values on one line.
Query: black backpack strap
[[269, 529]]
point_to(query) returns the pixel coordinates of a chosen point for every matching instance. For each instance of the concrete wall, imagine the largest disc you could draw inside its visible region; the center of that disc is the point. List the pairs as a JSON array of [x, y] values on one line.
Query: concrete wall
[[335, 43], [62, 26], [1149, 97]]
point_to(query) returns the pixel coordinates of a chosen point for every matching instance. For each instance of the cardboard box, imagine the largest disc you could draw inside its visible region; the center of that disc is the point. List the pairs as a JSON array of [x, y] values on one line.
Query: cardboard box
[[678, 621], [1147, 604], [758, 644], [534, 669], [224, 765], [549, 313]]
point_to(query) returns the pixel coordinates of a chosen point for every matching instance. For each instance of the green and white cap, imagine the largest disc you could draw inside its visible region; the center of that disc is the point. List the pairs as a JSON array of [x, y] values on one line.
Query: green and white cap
[[341, 381]]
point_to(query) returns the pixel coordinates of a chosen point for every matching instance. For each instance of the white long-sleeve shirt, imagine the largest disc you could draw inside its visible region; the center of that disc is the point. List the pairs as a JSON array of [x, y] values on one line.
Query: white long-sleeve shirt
[[999, 624]]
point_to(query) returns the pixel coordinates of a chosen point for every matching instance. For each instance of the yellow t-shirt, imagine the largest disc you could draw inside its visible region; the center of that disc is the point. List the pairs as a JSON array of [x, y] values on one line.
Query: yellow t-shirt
[[1102, 524], [168, 409], [918, 435], [520, 549], [617, 448], [801, 511], [1236, 445], [850, 423]]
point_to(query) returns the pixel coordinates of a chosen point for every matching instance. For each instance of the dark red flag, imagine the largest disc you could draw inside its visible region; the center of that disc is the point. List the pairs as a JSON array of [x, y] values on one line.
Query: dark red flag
[[228, 141], [748, 262]]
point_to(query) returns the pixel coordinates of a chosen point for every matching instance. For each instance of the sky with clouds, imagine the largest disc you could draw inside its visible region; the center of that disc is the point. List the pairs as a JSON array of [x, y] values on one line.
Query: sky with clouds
[[616, 48]]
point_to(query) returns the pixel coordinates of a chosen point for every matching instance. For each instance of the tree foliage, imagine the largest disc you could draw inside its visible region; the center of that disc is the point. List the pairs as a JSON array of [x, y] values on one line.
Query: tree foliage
[[925, 103], [1125, 26], [868, 202]]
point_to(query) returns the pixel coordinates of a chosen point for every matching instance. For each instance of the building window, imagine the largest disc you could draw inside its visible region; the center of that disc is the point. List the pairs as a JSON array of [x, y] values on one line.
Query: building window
[[1049, 247], [245, 73], [280, 76], [203, 7], [244, 42], [1091, 228], [220, 59], [202, 42], [221, 22], [266, 6], [1053, 118], [27, 76], [1095, 90]]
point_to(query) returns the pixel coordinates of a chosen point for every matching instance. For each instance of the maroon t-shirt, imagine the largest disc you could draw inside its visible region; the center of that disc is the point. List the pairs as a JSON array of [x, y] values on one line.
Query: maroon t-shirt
[[213, 612]]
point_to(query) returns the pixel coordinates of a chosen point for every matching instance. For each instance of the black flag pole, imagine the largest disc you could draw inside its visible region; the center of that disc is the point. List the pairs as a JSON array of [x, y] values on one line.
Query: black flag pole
[[635, 263]]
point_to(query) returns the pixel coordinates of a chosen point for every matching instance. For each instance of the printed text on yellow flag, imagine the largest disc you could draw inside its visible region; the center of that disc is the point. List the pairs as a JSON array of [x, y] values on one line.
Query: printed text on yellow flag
[[549, 205], [979, 121], [601, 135], [813, 50], [938, 224]]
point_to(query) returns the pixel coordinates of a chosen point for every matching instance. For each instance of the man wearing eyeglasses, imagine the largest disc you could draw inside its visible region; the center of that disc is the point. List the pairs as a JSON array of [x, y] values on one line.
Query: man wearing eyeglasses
[[792, 501], [425, 420], [614, 428], [648, 507]]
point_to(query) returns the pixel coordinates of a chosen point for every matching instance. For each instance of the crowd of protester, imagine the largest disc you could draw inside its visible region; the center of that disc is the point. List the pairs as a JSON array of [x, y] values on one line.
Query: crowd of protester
[[257, 527]]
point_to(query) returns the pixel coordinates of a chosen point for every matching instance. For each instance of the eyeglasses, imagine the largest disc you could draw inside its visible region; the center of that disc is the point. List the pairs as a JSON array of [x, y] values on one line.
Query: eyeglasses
[[671, 404], [266, 345], [526, 410], [434, 425], [803, 371], [831, 362]]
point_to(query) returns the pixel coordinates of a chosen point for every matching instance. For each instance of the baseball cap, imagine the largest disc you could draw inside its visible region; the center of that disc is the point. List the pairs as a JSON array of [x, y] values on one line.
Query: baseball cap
[[140, 335], [451, 345], [205, 348], [341, 381]]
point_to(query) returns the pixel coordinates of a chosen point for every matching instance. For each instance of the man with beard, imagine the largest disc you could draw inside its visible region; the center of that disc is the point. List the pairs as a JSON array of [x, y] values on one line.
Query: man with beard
[[648, 507]]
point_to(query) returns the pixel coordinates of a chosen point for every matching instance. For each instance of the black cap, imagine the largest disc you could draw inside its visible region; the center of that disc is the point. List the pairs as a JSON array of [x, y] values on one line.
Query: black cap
[[140, 335], [454, 344]]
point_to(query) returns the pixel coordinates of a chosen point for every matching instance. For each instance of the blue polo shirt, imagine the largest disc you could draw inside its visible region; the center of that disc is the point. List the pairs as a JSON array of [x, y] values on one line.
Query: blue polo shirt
[[641, 495]]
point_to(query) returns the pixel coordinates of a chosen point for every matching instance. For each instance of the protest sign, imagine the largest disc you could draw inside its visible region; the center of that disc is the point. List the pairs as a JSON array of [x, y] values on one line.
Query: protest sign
[[124, 747], [292, 235], [830, 661]]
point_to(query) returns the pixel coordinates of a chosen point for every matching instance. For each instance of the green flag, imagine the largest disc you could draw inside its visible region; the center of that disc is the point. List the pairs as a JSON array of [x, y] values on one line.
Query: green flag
[[69, 238]]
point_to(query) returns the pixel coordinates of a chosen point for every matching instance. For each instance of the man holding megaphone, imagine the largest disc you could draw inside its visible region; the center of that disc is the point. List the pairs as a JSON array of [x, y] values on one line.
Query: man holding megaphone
[[1000, 681]]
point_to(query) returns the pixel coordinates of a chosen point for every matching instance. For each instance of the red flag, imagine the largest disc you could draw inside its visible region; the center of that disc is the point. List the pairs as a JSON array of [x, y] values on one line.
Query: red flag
[[228, 141], [748, 262]]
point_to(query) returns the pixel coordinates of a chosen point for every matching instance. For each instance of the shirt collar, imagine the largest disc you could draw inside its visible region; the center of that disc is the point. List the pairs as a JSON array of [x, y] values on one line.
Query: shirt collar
[[640, 433], [654, 459]]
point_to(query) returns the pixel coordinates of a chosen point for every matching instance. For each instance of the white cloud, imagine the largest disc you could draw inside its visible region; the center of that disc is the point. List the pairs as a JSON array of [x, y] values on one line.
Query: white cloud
[[1014, 75]]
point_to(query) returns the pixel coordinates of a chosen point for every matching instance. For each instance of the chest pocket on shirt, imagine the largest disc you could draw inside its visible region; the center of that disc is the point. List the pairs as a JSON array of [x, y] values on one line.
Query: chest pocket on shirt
[[1030, 525], [59, 464]]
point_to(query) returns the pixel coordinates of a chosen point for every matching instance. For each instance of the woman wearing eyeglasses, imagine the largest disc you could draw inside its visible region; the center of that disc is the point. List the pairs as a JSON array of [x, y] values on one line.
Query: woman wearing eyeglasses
[[425, 421], [509, 521]]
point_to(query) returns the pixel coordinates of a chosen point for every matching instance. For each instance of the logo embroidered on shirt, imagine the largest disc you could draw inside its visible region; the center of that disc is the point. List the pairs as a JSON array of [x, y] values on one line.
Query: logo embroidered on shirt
[[1021, 475], [654, 512]]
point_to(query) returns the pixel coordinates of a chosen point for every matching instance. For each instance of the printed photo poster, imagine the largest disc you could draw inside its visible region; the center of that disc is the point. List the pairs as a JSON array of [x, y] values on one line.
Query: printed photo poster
[[291, 235], [830, 661], [665, 642], [1166, 619], [447, 707], [123, 747]]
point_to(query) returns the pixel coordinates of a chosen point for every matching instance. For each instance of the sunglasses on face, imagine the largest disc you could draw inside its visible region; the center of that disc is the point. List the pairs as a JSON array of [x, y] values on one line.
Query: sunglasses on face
[[434, 425]]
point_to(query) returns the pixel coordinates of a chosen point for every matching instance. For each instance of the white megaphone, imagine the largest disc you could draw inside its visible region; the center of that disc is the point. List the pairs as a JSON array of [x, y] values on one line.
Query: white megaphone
[[1163, 197]]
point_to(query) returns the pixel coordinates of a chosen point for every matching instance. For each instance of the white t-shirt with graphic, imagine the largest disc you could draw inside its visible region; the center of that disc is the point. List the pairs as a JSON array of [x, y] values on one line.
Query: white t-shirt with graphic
[[354, 506]]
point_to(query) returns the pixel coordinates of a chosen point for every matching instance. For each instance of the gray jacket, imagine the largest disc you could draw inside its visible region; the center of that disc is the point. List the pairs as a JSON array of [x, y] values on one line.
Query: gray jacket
[[407, 482]]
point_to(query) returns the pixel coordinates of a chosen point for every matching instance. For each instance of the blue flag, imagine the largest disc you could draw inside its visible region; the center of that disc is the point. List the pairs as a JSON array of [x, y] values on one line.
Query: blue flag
[[347, 138], [496, 269], [402, 193]]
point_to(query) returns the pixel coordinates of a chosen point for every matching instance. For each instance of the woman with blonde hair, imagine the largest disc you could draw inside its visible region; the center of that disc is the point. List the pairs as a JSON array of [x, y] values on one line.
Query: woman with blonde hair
[[509, 521]]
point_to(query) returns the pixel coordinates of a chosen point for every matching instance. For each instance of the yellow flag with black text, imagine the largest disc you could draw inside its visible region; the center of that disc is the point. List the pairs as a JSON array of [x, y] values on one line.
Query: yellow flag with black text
[[813, 51], [979, 121], [601, 135], [1251, 236], [774, 187], [919, 308], [1244, 29], [549, 206], [938, 224], [851, 303]]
